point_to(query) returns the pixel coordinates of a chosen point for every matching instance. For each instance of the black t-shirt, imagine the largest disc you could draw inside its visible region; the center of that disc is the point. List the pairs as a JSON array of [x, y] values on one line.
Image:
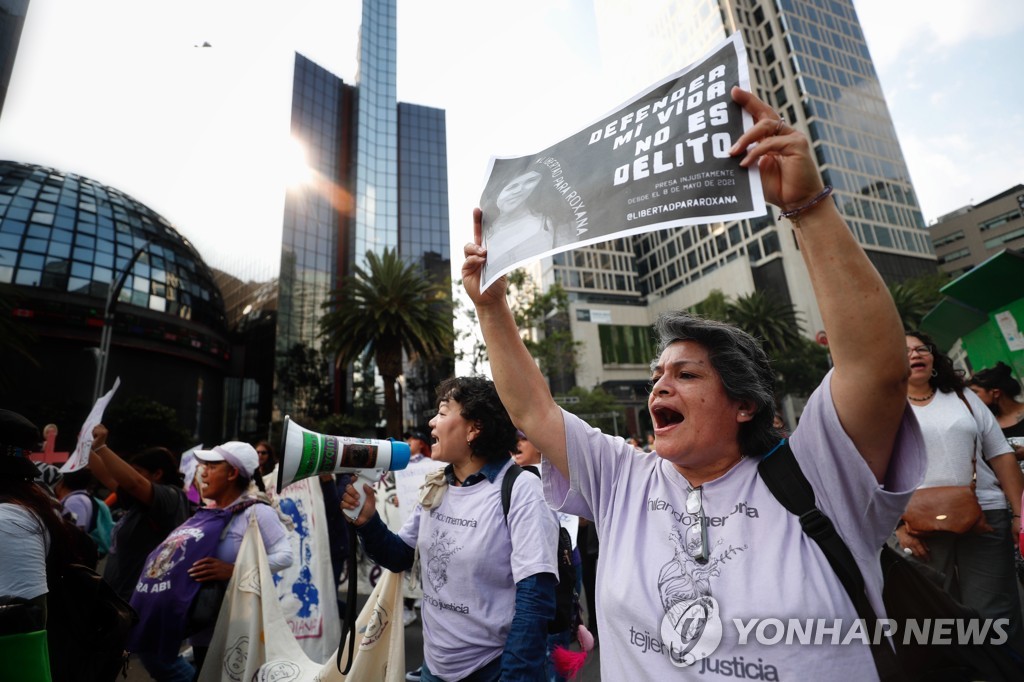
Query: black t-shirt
[[1017, 430], [138, 533]]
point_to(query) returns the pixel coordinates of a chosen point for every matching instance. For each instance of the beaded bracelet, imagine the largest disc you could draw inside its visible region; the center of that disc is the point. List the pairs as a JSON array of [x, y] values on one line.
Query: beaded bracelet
[[813, 202]]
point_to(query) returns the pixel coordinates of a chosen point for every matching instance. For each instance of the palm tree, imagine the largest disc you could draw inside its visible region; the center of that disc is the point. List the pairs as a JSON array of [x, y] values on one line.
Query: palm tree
[[915, 297], [379, 312], [714, 307], [768, 318], [799, 363]]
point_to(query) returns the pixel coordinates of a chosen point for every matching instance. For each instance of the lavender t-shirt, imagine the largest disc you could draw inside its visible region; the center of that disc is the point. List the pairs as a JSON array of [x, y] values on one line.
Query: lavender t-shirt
[[653, 598], [470, 565], [80, 506]]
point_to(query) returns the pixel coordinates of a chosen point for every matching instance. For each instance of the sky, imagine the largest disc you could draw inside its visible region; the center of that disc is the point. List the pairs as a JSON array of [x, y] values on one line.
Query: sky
[[124, 92]]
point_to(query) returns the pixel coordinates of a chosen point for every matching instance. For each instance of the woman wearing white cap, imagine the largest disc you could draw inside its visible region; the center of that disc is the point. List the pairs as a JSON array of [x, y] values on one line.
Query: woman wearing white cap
[[203, 550]]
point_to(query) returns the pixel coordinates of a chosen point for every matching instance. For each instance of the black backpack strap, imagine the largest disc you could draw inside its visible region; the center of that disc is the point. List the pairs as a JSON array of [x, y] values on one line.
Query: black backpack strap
[[782, 474], [506, 487], [95, 513]]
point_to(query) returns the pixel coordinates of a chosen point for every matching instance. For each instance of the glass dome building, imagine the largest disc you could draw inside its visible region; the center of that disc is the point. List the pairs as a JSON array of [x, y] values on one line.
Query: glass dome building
[[64, 241]]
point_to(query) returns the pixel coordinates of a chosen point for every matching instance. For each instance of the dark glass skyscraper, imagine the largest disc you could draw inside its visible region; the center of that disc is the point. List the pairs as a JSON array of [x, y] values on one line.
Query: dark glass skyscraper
[[376, 131], [12, 19], [380, 182]]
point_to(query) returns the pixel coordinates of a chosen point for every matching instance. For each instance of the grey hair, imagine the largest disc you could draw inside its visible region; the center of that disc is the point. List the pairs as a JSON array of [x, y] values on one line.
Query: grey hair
[[741, 364]]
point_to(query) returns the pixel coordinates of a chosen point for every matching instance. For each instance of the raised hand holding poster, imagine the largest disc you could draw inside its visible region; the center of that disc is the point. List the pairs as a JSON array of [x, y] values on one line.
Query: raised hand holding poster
[[79, 459], [660, 160]]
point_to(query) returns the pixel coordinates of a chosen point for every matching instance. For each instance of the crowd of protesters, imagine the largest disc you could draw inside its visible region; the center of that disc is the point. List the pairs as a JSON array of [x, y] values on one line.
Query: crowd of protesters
[[685, 521]]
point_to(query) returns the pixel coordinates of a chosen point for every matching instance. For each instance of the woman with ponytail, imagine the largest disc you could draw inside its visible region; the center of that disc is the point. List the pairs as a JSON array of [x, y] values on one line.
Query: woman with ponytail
[[999, 390]]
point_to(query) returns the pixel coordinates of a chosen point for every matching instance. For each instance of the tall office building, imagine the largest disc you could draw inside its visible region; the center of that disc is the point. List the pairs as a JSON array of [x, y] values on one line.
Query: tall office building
[[12, 20], [809, 60], [380, 182]]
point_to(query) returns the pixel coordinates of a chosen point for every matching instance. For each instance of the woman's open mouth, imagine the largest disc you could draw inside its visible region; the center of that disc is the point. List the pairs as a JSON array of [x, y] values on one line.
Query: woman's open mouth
[[665, 417]]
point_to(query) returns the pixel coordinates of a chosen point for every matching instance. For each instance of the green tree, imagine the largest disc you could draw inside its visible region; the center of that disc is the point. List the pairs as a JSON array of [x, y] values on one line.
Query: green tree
[[533, 309], [379, 312], [346, 425], [774, 322], [304, 381], [597, 406], [140, 423], [714, 307], [915, 297], [469, 347], [800, 369], [799, 363], [554, 348]]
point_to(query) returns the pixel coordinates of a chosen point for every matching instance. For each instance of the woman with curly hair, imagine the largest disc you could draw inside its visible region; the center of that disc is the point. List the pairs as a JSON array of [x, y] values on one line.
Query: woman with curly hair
[[488, 583], [962, 437]]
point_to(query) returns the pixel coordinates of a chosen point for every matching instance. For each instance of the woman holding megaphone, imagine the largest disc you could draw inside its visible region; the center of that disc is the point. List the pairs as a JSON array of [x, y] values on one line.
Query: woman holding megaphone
[[488, 583]]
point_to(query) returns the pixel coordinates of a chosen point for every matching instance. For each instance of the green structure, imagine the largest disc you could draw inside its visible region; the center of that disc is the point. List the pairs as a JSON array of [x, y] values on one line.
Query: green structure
[[978, 321]]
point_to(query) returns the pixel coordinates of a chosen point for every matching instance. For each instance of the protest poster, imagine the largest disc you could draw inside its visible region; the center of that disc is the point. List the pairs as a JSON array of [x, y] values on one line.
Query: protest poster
[[79, 459], [306, 589], [660, 160]]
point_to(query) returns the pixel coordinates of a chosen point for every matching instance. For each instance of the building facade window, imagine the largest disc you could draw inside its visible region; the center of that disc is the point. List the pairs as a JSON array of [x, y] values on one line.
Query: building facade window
[[997, 242], [999, 220], [954, 255], [949, 238]]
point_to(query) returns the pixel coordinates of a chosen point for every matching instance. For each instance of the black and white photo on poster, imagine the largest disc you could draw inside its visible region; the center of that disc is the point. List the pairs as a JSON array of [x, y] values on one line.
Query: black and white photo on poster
[[660, 160]]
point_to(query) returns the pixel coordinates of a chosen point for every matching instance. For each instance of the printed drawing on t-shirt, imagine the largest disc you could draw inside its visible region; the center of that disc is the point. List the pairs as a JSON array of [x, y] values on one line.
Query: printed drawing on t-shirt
[[171, 552], [442, 549], [691, 626]]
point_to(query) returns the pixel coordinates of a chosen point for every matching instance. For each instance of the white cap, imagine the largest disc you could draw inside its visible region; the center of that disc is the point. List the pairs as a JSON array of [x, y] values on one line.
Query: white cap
[[240, 455]]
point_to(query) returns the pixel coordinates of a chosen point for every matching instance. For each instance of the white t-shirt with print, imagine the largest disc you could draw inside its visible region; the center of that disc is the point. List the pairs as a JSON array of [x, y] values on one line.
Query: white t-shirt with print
[[470, 563], [761, 564]]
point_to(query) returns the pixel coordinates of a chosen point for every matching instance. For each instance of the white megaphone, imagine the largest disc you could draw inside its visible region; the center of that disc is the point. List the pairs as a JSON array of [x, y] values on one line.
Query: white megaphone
[[306, 453]]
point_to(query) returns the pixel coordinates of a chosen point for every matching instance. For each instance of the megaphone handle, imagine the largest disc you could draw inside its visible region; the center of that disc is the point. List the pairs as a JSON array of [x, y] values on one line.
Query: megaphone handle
[[369, 477]]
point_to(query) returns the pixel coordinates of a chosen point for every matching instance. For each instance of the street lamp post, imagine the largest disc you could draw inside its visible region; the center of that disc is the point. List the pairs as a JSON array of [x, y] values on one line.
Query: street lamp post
[[108, 320]]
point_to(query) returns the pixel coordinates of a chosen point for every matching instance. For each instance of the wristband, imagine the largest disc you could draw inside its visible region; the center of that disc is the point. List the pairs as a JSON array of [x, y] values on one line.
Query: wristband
[[821, 196]]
